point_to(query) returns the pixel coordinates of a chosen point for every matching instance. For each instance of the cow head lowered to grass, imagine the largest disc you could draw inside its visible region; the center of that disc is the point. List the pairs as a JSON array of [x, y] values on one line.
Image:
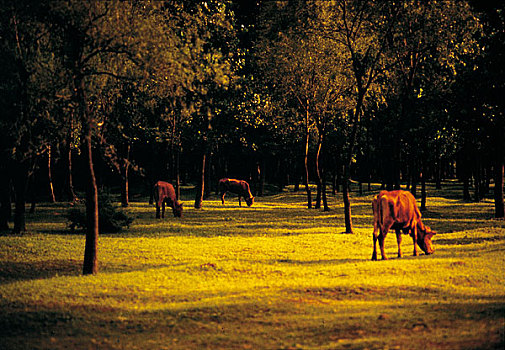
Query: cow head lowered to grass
[[164, 193], [239, 187], [398, 210]]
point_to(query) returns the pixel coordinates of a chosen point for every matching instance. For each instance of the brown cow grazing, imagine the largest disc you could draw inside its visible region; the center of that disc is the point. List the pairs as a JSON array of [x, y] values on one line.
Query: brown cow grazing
[[239, 187], [398, 210], [164, 193]]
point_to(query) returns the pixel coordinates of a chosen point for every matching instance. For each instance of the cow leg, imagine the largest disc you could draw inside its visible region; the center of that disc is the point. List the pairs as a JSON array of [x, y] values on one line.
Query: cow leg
[[374, 236], [222, 197], [239, 201], [157, 211], [414, 238], [163, 209], [382, 237], [374, 254], [399, 241]]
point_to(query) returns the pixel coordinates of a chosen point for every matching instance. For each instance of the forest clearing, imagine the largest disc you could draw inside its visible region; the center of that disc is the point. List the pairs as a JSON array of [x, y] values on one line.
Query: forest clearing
[[272, 276]]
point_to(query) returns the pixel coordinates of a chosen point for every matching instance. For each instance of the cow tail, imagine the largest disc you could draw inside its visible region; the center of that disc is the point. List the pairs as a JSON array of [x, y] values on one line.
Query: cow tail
[[381, 216], [392, 209]]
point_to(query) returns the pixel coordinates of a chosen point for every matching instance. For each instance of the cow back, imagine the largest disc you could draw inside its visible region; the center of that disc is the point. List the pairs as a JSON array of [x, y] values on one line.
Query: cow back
[[239, 187], [164, 190]]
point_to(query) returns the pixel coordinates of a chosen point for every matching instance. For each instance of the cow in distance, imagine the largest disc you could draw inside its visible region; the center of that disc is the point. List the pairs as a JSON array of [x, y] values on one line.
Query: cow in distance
[[239, 187], [164, 193]]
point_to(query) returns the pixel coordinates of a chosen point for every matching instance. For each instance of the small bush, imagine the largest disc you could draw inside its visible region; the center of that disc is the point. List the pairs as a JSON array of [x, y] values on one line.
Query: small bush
[[111, 218]]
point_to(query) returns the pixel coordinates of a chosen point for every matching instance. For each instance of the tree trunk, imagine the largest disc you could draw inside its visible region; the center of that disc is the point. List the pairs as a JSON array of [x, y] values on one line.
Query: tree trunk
[[413, 188], [415, 178], [398, 160], [201, 186], [498, 189], [125, 201], [19, 180], [32, 195], [347, 202], [90, 265], [347, 165], [466, 189], [207, 176], [263, 174], [338, 179], [477, 181], [52, 198], [423, 192], [306, 162], [5, 196], [438, 174], [325, 199], [178, 172], [70, 189], [318, 172]]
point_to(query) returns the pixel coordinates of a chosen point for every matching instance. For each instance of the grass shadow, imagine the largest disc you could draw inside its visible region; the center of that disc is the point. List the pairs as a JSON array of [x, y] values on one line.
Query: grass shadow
[[18, 271]]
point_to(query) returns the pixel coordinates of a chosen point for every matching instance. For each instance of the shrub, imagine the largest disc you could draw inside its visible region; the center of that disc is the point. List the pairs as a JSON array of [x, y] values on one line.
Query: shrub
[[112, 219]]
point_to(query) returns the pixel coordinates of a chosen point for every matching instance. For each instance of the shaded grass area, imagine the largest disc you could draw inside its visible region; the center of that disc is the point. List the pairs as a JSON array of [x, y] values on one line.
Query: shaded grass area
[[272, 276]]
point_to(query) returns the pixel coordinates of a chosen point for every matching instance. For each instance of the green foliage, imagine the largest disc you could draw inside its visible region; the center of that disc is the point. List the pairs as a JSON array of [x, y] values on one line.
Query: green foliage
[[112, 219]]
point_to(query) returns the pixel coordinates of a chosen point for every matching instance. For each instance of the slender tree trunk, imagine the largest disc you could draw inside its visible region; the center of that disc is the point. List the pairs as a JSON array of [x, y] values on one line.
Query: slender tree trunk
[[70, 178], [19, 180], [306, 162], [318, 172], [263, 173], [5, 195], [296, 188], [413, 188], [477, 181], [325, 199], [397, 173], [438, 174], [90, 265], [345, 196], [348, 162], [201, 186], [178, 172], [150, 187], [498, 189], [31, 193], [205, 149], [52, 198], [415, 178], [207, 177], [125, 200], [423, 192], [5, 207], [338, 179], [466, 188], [347, 202]]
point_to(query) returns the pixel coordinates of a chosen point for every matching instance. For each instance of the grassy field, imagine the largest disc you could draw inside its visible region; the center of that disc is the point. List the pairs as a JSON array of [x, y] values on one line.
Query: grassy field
[[273, 276]]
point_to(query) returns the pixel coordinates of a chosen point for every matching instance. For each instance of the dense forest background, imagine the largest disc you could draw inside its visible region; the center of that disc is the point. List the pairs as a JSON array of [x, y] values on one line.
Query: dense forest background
[[110, 94]]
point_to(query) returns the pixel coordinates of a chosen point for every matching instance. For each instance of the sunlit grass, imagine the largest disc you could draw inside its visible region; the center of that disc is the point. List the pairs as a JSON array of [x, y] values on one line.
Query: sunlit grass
[[275, 275]]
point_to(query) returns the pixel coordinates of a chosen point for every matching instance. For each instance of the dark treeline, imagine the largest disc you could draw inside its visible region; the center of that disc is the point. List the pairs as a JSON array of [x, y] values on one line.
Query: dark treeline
[[110, 94]]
